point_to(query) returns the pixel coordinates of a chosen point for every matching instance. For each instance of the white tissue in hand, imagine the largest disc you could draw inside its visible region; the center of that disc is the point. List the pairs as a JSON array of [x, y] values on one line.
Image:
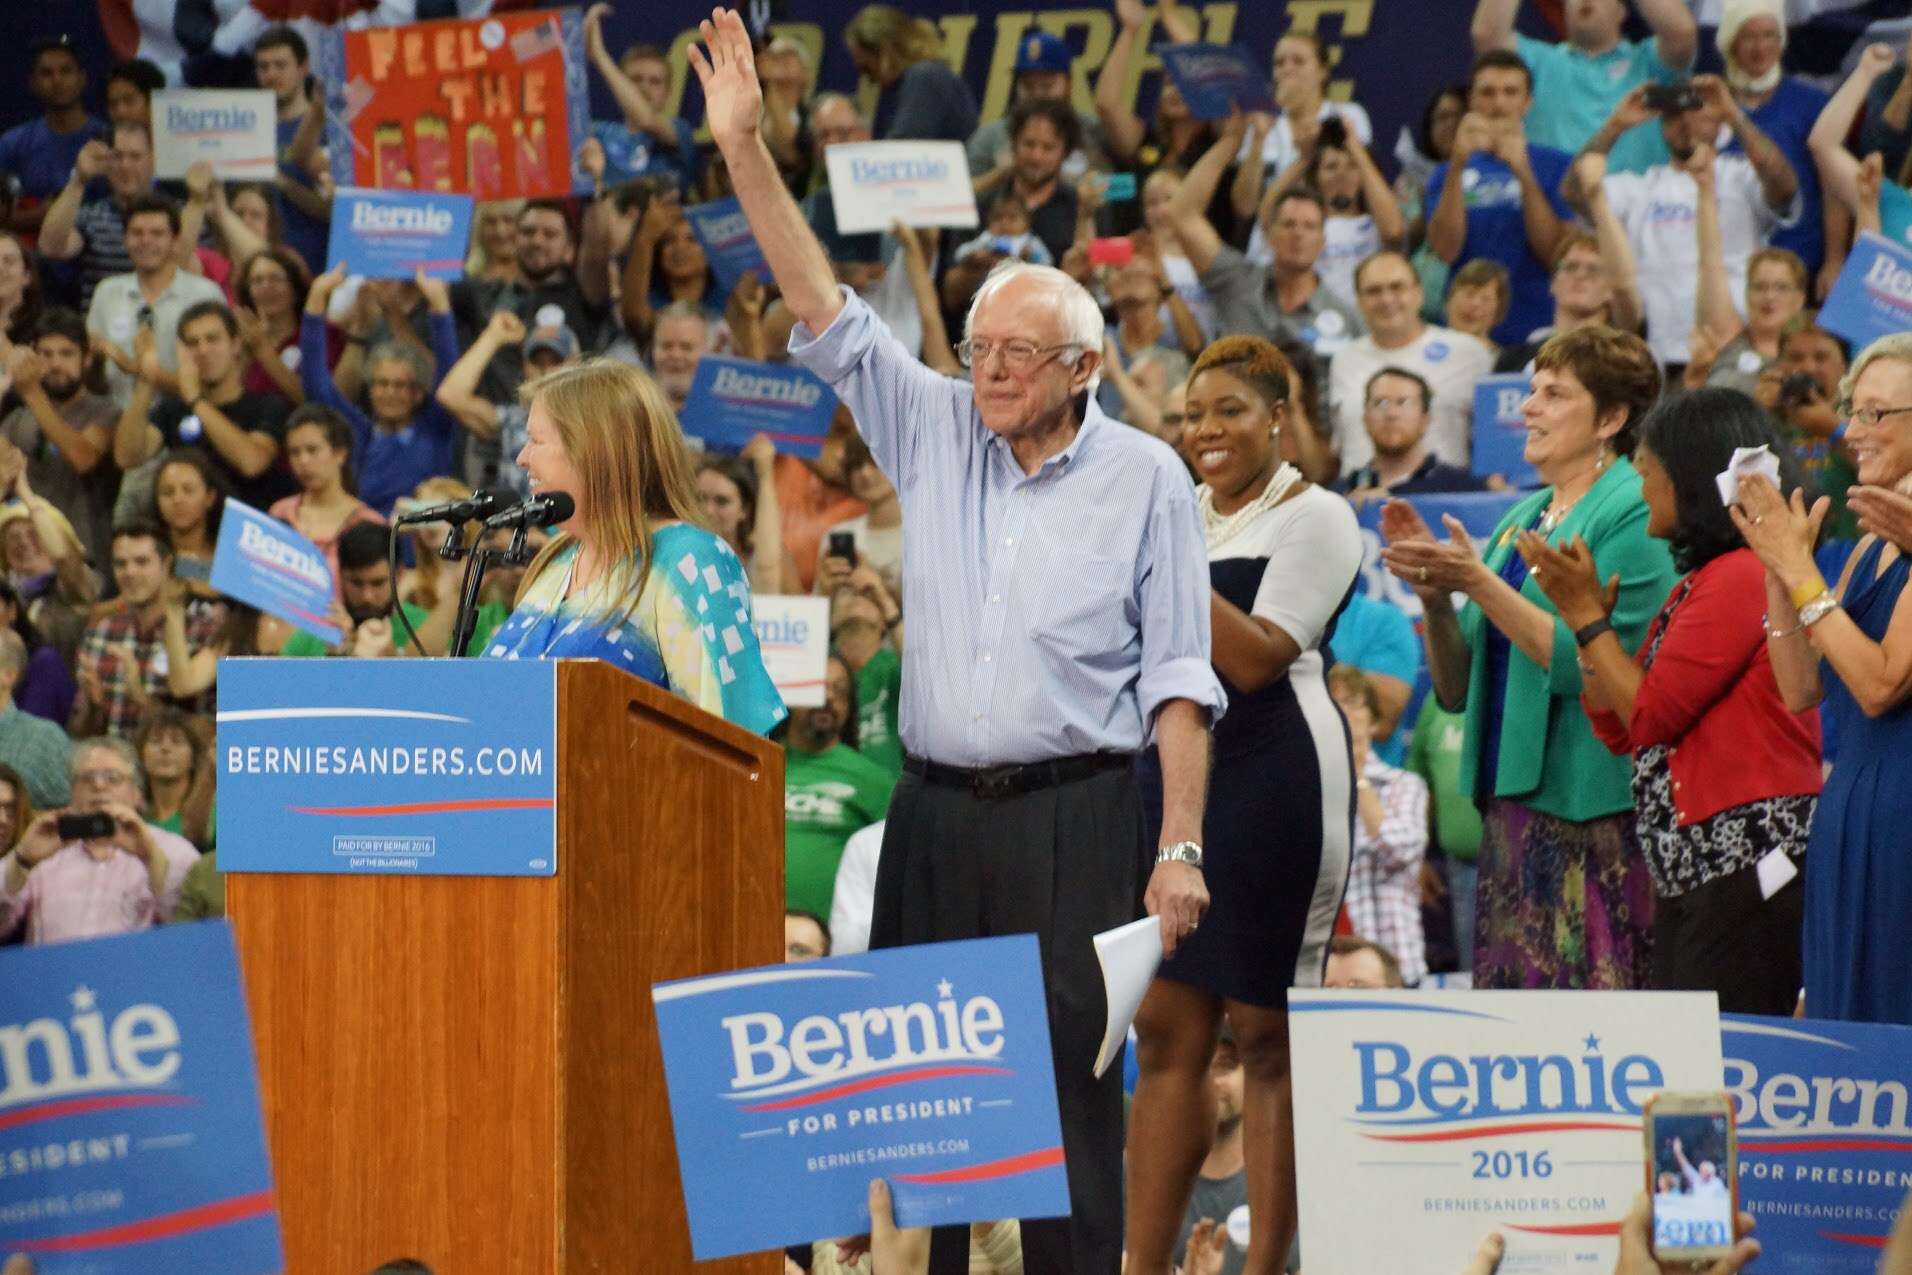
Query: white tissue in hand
[[1746, 462]]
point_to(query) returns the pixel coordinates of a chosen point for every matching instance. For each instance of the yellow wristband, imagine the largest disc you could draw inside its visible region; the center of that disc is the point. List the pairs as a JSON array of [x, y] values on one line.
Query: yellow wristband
[[1808, 591]]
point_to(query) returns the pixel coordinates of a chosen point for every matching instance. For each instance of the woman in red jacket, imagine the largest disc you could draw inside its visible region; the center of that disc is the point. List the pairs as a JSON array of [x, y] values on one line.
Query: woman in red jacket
[[1725, 778]]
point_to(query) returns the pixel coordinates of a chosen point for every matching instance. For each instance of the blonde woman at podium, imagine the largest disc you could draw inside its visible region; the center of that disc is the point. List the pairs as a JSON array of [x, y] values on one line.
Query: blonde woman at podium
[[633, 578]]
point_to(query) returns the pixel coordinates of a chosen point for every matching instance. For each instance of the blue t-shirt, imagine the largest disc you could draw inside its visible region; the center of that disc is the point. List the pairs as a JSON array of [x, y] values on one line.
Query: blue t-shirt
[[1574, 94], [1377, 637], [1496, 230], [1895, 213], [1787, 117], [305, 235], [631, 154], [42, 159]]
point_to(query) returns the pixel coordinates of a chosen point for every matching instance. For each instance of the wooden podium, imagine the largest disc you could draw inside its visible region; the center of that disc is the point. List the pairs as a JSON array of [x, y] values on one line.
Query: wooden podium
[[466, 1070]]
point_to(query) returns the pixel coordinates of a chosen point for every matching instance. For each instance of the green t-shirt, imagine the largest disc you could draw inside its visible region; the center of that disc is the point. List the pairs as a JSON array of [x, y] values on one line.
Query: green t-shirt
[[1435, 755], [879, 692], [303, 645], [827, 796]]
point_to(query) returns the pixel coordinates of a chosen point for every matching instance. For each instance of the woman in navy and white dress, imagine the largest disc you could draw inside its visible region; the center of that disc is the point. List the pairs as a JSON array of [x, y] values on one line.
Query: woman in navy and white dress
[[1283, 555]]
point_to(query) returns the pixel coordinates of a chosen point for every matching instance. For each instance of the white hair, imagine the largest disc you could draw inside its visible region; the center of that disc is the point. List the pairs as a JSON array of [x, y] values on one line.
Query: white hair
[[1894, 347], [1082, 325]]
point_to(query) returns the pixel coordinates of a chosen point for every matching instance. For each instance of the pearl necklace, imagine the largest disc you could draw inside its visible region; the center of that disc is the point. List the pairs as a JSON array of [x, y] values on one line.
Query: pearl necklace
[[1217, 528]]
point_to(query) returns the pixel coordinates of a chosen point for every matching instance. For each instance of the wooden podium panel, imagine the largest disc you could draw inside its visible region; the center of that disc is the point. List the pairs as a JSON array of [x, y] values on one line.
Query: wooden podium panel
[[466, 1069]]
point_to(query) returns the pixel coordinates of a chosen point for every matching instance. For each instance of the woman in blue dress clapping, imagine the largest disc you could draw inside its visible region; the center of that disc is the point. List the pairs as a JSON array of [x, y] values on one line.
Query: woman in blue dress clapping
[[1851, 644], [633, 578]]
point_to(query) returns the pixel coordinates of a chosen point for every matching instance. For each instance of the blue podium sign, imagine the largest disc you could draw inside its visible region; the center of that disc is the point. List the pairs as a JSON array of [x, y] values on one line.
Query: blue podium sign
[[1825, 1136], [433, 767], [130, 1138], [926, 1066]]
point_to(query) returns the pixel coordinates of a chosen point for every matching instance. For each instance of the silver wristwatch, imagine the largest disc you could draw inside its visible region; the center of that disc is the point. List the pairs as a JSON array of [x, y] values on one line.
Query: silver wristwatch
[[1188, 852]]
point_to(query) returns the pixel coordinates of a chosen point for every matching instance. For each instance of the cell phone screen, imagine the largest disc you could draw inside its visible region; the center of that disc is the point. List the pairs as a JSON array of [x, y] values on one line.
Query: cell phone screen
[[1692, 1183]]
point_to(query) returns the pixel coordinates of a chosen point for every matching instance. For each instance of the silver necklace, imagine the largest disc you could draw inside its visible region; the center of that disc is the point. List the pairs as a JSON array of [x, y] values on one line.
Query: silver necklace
[[1217, 528]]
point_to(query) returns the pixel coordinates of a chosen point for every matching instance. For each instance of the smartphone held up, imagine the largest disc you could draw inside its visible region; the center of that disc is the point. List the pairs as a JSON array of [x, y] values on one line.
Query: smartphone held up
[[1692, 1170]]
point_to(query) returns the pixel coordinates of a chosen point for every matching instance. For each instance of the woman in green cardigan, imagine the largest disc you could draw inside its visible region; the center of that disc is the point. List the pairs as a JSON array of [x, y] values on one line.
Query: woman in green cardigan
[[1564, 898]]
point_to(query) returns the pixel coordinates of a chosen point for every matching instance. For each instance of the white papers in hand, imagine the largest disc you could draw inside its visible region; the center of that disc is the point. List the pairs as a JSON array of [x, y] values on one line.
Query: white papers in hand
[[1130, 955]]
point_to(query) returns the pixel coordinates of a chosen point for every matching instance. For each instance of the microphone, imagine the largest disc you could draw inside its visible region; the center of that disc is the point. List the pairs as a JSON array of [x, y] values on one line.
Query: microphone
[[539, 511], [482, 504]]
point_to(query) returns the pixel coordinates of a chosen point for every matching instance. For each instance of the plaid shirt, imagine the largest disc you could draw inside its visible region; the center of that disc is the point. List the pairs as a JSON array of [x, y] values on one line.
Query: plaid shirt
[[115, 650], [1384, 881]]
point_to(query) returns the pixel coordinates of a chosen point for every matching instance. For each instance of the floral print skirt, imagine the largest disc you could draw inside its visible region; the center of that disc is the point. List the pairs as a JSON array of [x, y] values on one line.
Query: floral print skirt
[[1561, 904]]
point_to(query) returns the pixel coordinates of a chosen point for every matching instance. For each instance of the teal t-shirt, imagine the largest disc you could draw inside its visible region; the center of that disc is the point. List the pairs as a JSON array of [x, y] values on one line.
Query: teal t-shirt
[[1574, 94], [303, 645], [827, 797], [879, 692]]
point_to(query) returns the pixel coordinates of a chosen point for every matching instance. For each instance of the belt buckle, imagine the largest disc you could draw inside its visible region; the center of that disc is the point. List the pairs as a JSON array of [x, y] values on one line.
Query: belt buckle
[[994, 781]]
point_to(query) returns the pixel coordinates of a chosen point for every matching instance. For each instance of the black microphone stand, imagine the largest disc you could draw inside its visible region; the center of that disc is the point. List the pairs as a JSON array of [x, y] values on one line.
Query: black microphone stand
[[479, 560]]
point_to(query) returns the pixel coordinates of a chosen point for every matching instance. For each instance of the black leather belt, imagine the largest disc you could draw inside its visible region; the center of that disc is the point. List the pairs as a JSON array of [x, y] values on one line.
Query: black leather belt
[[1014, 780]]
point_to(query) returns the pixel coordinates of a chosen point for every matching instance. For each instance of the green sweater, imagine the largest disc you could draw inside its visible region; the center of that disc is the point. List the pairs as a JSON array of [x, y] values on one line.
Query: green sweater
[[1549, 758]]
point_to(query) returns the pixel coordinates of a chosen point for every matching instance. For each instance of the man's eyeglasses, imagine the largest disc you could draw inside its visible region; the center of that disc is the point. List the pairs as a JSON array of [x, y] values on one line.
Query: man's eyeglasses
[[1017, 356], [102, 776], [1870, 416]]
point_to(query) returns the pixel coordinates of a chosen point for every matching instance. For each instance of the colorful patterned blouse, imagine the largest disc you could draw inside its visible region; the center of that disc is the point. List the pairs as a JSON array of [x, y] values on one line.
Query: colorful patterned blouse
[[689, 633]]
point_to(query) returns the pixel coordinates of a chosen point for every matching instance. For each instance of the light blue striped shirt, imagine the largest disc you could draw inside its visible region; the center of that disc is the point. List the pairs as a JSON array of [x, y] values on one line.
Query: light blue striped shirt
[[1049, 614]]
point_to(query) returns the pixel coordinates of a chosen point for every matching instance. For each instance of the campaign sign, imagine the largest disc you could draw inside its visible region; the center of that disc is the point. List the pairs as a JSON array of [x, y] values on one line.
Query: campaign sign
[[1480, 512], [928, 1067], [794, 634], [1873, 295], [234, 130], [728, 244], [1500, 429], [130, 1138], [264, 563], [1452, 1114], [393, 234], [731, 401], [423, 767], [496, 107], [1825, 1136], [874, 185], [1214, 78]]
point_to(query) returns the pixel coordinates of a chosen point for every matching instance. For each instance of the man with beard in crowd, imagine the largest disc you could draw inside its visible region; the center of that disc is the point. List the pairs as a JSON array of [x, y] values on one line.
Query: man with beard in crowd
[[64, 429]]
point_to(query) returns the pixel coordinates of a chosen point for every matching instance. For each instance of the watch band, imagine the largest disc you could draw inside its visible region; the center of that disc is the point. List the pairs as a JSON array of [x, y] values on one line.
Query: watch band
[[1187, 852], [1583, 636], [1817, 609]]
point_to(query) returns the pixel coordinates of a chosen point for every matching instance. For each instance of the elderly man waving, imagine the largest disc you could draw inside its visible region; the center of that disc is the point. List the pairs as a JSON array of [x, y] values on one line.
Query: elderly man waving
[[1059, 615]]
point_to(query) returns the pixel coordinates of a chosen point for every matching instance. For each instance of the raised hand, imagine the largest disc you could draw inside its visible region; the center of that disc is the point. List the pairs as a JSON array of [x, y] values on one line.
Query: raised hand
[[506, 328], [25, 368], [1632, 110], [591, 159], [727, 69], [436, 292], [1474, 135], [1131, 13], [323, 287], [146, 355], [1876, 60], [91, 161], [252, 329]]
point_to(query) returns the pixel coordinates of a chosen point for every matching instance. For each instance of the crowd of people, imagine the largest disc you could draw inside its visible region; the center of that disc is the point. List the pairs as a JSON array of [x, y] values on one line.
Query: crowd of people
[[1647, 733]]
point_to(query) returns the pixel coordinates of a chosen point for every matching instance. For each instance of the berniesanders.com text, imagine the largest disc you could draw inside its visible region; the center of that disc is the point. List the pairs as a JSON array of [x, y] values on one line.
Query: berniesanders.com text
[[879, 1155]]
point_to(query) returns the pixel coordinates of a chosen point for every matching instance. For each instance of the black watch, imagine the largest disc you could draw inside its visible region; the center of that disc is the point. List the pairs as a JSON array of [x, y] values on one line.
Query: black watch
[[1583, 636]]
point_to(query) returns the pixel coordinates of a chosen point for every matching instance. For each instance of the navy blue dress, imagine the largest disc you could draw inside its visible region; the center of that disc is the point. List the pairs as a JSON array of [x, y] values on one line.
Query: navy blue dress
[[1279, 830], [1857, 945]]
